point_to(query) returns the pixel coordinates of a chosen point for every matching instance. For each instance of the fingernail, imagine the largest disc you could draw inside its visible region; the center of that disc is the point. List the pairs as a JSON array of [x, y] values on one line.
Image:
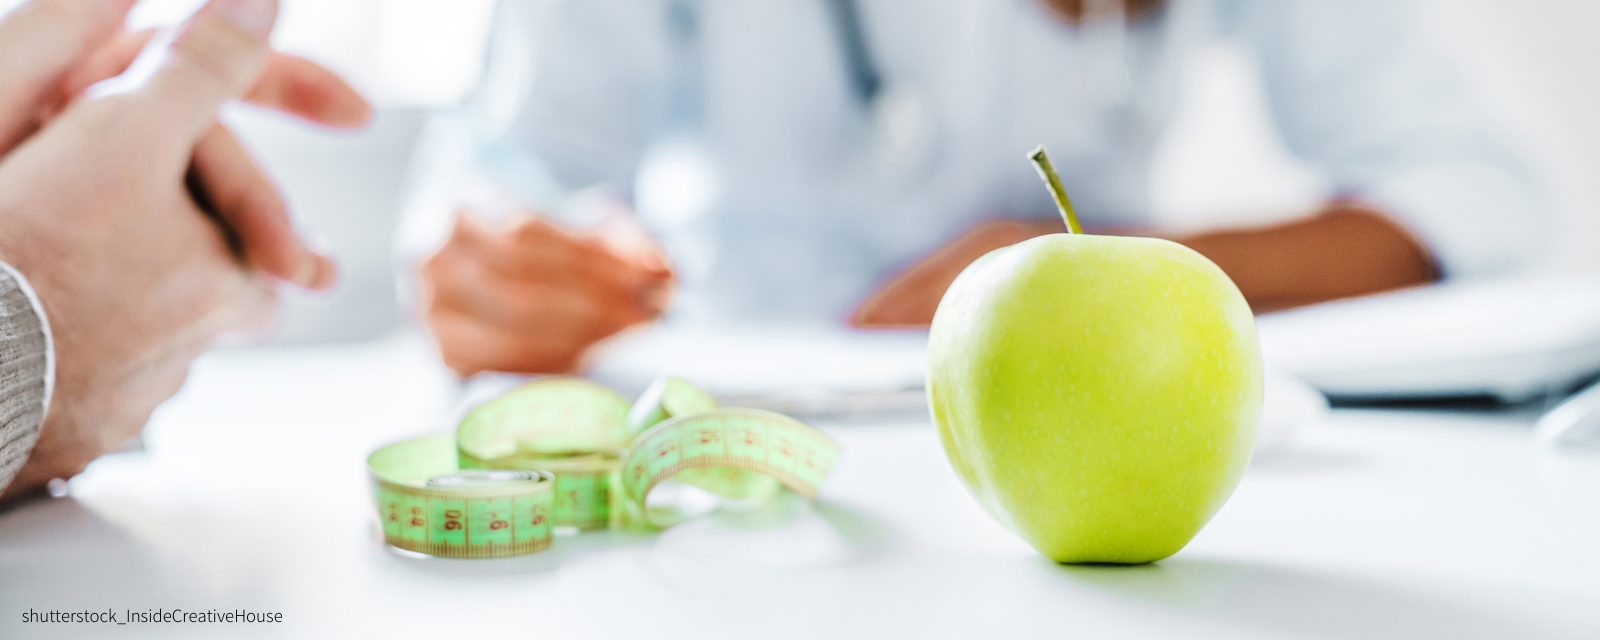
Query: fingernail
[[653, 297], [316, 271], [650, 260], [327, 273], [306, 275], [254, 16]]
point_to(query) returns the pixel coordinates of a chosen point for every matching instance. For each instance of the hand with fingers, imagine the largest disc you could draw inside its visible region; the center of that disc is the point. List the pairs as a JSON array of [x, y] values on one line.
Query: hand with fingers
[[528, 297], [97, 211]]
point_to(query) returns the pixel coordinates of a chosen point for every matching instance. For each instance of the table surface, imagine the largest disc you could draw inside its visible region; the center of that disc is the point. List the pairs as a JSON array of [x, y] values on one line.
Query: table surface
[[250, 494]]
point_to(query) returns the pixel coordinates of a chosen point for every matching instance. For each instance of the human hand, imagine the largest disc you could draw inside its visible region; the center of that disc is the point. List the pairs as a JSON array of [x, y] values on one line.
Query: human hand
[[910, 298], [94, 211], [527, 297], [53, 50]]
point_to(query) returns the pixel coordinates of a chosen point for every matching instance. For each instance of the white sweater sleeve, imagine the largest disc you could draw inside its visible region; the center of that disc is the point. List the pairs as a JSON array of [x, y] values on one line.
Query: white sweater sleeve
[[27, 371]]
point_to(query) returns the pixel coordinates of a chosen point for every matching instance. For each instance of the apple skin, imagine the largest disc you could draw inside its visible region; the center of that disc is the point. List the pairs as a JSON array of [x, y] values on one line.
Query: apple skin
[[1098, 395]]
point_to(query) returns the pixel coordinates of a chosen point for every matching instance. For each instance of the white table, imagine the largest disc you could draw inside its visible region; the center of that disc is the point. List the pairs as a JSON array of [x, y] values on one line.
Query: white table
[[251, 495]]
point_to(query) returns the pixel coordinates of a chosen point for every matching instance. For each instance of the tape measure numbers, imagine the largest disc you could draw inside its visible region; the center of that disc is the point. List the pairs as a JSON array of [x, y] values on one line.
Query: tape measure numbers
[[736, 446], [428, 504], [559, 452], [585, 483]]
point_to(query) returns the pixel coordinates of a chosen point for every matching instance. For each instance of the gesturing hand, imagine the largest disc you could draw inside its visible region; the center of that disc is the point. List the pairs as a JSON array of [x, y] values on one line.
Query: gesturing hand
[[94, 211], [527, 297]]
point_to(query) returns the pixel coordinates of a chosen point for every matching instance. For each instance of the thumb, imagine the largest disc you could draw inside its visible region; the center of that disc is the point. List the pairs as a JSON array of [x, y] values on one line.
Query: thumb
[[216, 57]]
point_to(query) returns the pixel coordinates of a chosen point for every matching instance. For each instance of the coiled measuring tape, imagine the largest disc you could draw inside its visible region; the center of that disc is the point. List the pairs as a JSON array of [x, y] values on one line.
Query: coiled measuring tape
[[427, 503], [564, 452]]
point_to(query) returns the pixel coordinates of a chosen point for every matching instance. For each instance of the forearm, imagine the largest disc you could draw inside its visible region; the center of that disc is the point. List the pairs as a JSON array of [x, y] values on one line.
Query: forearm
[[1344, 251], [1341, 252], [27, 372]]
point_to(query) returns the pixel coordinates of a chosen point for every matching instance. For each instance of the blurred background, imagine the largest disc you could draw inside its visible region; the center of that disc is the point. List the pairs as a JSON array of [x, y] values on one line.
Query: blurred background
[[1534, 63]]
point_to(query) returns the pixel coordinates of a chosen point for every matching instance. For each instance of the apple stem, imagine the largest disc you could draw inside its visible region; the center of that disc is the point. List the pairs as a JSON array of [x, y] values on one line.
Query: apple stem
[[1042, 163]]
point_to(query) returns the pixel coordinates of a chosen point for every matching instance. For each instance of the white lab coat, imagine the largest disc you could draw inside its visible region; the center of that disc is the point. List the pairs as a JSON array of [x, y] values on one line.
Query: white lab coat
[[780, 194]]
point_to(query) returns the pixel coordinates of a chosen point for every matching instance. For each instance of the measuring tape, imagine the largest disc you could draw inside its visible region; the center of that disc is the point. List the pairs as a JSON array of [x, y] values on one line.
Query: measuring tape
[[750, 447], [572, 453], [428, 504], [584, 483], [574, 429]]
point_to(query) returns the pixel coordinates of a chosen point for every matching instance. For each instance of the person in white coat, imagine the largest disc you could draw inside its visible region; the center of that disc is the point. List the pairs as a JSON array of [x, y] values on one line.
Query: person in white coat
[[840, 161]]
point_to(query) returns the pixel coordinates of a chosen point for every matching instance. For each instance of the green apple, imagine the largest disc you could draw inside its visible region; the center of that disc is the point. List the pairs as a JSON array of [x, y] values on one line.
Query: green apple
[[1097, 395]]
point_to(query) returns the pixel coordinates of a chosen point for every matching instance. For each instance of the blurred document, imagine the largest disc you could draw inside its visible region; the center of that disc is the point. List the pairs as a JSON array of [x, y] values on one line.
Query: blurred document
[[1513, 339], [839, 375], [769, 361]]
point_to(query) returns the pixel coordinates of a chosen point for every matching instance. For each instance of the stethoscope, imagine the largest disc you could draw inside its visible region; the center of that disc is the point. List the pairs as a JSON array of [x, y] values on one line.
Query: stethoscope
[[902, 138], [862, 71]]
